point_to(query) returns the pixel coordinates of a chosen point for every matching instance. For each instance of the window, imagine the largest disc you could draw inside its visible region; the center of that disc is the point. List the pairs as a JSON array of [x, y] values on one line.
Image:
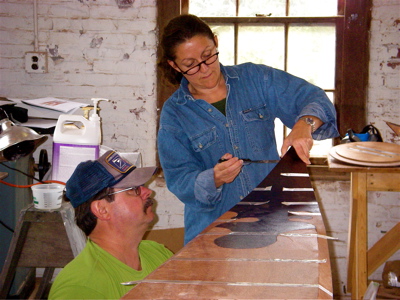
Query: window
[[324, 42], [279, 33]]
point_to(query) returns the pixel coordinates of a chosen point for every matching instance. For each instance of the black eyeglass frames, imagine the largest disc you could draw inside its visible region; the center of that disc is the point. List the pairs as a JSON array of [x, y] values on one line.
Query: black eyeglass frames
[[196, 68]]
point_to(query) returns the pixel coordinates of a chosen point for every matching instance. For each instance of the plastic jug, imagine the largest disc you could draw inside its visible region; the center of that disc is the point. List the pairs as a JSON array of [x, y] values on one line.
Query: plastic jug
[[76, 139]]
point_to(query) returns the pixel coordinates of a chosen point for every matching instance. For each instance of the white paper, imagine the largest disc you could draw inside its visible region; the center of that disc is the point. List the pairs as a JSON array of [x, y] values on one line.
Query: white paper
[[39, 123], [42, 113], [57, 104], [5, 102]]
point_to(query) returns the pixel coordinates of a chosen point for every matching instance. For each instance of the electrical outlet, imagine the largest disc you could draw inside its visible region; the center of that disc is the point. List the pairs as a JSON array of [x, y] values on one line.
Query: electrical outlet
[[36, 62]]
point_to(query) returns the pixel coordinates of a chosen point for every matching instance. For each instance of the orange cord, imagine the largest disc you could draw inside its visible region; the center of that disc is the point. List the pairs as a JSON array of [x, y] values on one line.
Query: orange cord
[[29, 185]]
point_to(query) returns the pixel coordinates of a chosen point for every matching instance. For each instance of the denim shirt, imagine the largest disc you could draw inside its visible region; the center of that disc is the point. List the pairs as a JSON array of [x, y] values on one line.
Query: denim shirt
[[193, 135]]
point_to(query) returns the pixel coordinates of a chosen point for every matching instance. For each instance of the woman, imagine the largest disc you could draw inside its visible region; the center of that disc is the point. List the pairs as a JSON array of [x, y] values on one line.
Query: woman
[[227, 112]]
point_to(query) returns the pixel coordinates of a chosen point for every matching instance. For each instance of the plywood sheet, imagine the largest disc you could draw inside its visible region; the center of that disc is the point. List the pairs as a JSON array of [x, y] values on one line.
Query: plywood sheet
[[251, 271], [204, 247], [161, 290], [262, 248]]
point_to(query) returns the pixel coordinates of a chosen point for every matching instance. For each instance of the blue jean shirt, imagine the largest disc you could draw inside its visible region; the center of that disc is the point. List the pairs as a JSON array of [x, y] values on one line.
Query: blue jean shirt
[[193, 135]]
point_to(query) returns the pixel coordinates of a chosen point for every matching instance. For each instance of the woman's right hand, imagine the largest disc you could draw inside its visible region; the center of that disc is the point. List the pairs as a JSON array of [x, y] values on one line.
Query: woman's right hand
[[226, 172]]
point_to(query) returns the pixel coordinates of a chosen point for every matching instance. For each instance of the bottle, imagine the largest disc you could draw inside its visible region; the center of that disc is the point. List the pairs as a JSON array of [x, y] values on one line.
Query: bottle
[[76, 139]]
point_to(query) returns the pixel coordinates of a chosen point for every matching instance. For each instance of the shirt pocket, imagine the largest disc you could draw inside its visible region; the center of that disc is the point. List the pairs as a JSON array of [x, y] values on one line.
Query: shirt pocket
[[204, 139], [258, 128], [255, 114]]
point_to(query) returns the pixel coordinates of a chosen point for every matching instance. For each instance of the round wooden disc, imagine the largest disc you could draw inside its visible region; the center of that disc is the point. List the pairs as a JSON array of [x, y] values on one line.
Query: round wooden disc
[[333, 153], [377, 152]]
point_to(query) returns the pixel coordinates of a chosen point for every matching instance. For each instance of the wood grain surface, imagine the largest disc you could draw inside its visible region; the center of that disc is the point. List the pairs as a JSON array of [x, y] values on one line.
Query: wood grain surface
[[370, 152], [274, 250]]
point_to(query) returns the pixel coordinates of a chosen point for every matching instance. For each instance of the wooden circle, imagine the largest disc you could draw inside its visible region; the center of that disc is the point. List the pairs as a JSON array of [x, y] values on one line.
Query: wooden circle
[[372, 152], [333, 153]]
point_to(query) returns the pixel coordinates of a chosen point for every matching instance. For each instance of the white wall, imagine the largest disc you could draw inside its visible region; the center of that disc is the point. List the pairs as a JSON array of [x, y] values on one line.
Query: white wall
[[95, 50], [384, 74], [99, 50]]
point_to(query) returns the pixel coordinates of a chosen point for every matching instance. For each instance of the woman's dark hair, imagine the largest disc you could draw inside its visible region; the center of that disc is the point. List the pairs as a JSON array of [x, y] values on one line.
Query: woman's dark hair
[[84, 217], [177, 31]]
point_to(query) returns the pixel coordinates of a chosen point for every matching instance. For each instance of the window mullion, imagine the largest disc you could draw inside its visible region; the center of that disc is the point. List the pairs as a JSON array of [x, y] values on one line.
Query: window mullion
[[236, 41]]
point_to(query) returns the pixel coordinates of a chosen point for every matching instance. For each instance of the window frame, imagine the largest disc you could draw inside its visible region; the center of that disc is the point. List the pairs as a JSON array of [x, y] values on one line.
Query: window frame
[[352, 53]]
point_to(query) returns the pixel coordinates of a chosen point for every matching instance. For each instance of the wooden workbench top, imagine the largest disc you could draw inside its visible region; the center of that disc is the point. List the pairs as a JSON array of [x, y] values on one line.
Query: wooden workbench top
[[262, 248]]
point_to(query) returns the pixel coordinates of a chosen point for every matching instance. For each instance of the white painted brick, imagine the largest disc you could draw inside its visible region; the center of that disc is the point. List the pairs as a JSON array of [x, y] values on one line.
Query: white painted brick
[[123, 69], [66, 10], [13, 9]]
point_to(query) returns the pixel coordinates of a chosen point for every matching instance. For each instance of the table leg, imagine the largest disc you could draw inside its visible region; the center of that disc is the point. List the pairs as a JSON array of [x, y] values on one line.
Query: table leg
[[357, 242]]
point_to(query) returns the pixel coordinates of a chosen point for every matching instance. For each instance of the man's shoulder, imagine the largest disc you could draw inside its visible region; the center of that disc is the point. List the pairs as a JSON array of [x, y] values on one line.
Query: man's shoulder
[[154, 248], [151, 244]]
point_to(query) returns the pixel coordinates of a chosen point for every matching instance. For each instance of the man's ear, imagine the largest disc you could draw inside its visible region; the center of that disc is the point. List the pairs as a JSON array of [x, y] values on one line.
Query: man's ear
[[101, 209]]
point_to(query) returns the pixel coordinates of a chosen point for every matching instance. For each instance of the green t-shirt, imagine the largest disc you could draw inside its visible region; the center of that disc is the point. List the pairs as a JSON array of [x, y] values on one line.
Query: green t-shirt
[[96, 274]]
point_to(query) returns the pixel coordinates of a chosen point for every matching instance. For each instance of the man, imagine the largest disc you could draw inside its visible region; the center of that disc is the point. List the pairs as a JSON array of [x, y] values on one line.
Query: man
[[114, 210]]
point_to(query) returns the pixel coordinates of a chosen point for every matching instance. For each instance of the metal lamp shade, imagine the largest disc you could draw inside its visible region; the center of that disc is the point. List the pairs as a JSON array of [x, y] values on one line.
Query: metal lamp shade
[[17, 141]]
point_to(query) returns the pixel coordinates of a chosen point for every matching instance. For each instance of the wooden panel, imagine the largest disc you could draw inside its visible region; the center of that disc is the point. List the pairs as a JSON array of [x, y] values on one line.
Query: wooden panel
[[261, 248], [383, 182], [338, 166], [377, 152], [164, 290], [171, 238], [214, 270], [204, 247], [42, 251], [351, 97]]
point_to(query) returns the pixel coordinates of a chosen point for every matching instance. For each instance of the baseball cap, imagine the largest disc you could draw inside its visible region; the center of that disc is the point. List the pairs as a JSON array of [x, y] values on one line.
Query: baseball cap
[[110, 170]]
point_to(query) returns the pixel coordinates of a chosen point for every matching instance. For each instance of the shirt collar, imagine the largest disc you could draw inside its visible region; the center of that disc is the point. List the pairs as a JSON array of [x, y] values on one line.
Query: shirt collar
[[229, 73]]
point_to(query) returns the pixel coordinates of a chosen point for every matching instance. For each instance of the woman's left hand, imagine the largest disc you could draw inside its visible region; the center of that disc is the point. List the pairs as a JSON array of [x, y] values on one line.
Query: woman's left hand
[[301, 139]]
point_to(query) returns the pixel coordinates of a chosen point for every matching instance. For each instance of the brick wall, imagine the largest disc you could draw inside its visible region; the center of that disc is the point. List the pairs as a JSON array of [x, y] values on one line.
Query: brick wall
[[384, 75], [95, 50], [99, 50]]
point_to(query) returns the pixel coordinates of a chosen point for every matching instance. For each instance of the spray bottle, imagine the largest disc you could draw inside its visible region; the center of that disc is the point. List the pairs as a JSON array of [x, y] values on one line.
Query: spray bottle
[[76, 139]]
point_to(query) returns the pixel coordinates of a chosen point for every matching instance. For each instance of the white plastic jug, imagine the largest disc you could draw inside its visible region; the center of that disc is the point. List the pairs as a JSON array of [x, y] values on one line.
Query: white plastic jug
[[76, 139]]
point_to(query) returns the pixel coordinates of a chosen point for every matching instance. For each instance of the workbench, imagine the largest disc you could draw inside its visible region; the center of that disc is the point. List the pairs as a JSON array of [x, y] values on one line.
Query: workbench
[[361, 261], [271, 245]]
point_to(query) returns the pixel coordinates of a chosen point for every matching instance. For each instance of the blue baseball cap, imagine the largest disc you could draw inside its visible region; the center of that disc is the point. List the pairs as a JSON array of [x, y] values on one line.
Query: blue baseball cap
[[110, 170]]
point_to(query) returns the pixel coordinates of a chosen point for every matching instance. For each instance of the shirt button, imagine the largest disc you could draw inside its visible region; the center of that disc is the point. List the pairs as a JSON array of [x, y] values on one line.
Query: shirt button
[[235, 147], [261, 116], [241, 197], [200, 146], [209, 110], [226, 125]]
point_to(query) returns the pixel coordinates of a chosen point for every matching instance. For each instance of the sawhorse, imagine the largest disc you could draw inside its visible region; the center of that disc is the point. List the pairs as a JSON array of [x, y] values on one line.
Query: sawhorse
[[42, 239]]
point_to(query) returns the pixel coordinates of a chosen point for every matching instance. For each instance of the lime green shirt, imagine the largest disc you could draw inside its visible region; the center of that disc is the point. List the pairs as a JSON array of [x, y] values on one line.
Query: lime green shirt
[[96, 274]]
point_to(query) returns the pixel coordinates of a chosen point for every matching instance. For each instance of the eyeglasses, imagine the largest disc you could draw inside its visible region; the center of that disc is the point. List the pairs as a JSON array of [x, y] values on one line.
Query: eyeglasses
[[196, 68], [136, 189]]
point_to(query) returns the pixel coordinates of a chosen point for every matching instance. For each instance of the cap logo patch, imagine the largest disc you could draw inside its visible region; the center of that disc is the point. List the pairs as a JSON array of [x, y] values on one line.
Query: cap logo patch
[[118, 163]]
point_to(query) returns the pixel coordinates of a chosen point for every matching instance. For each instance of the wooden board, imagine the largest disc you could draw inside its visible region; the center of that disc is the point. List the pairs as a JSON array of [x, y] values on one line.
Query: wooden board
[[394, 127], [371, 152], [259, 249], [342, 159]]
